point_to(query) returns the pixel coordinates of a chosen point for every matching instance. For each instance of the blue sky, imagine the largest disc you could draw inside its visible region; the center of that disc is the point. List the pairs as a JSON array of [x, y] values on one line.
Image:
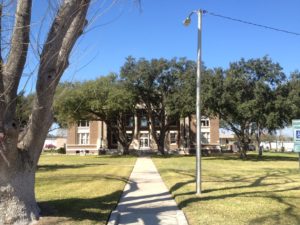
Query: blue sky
[[156, 31]]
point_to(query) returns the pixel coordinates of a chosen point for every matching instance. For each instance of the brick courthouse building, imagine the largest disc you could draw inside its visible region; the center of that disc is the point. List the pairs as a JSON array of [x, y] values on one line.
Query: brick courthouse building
[[90, 136]]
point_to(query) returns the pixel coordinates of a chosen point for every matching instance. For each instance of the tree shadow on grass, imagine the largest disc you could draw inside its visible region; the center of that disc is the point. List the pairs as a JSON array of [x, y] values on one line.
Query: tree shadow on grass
[[53, 167], [280, 217], [246, 187], [145, 209], [115, 156], [236, 156], [97, 210], [249, 194], [94, 209], [255, 158], [289, 216], [257, 182], [171, 156], [80, 179]]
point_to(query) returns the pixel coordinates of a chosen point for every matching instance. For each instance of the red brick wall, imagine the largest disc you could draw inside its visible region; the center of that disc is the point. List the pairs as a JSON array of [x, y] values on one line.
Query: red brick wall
[[93, 132], [214, 131], [71, 139]]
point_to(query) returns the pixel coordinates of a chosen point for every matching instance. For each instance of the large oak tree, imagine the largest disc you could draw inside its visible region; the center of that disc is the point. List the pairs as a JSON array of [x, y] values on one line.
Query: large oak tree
[[292, 88], [159, 86], [249, 97], [104, 99]]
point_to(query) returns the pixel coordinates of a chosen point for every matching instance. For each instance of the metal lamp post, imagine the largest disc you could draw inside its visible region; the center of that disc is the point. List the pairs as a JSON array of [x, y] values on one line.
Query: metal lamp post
[[186, 22]]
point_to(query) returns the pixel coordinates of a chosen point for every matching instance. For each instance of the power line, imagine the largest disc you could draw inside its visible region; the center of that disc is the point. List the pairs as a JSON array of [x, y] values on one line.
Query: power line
[[250, 23]]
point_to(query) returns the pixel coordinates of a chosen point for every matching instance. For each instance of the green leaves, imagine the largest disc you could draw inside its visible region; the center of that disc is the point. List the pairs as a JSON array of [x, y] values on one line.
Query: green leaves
[[246, 93], [248, 97], [101, 99], [292, 90], [164, 84]]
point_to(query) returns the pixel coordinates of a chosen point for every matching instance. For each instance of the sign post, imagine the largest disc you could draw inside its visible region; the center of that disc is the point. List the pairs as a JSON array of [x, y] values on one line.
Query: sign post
[[296, 128]]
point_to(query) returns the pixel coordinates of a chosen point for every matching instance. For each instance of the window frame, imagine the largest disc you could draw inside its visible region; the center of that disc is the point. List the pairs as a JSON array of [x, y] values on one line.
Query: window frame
[[80, 123], [129, 121], [83, 138], [205, 122], [205, 137], [144, 119], [173, 141]]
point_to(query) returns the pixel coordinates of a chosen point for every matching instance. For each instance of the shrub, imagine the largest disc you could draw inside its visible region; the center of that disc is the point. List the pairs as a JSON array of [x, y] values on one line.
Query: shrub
[[101, 151], [61, 150]]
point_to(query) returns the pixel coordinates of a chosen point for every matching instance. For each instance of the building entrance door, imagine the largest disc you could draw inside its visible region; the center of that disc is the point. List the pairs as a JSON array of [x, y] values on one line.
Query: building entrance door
[[144, 141]]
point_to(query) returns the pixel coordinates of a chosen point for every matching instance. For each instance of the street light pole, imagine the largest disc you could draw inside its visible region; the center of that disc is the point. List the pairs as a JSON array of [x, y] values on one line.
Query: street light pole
[[186, 22], [198, 106]]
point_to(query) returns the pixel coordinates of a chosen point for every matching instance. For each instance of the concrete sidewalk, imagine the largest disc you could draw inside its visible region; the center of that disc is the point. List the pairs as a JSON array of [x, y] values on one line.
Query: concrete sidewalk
[[146, 200]]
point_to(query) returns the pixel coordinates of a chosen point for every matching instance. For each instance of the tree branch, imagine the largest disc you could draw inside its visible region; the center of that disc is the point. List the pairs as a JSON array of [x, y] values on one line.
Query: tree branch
[[65, 30], [14, 66], [2, 99]]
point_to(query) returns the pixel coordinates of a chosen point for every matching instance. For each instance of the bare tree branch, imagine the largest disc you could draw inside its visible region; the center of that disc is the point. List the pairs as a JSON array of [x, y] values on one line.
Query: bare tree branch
[[66, 28], [2, 101], [14, 66]]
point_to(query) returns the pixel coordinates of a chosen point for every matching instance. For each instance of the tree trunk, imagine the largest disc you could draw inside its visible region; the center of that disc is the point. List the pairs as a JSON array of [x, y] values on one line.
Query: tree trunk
[[244, 149], [120, 132], [260, 149], [161, 149], [126, 150], [18, 165], [161, 142], [260, 152], [17, 198], [243, 154]]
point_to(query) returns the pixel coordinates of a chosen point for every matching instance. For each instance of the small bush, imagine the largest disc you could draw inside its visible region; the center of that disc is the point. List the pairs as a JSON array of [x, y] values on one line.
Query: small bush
[[61, 150], [101, 151], [52, 150]]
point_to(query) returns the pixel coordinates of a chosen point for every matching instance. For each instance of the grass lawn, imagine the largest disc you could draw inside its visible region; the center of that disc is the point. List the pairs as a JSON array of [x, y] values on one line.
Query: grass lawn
[[236, 192], [80, 190]]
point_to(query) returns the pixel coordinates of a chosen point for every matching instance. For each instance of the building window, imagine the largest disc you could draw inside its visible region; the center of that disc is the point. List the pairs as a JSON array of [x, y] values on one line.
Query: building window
[[83, 138], [204, 122], [205, 137], [129, 121], [83, 123], [144, 121], [144, 140], [173, 138]]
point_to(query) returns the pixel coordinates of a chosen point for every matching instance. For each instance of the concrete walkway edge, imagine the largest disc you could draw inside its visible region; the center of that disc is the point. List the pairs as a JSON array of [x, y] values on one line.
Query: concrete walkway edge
[[115, 215], [146, 200]]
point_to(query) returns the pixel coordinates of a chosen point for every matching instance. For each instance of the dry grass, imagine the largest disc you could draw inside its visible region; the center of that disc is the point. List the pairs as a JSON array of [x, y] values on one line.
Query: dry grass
[[236, 192], [80, 190]]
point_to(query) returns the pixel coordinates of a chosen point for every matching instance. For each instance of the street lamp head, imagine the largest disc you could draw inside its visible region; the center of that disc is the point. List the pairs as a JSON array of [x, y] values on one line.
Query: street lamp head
[[187, 21]]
